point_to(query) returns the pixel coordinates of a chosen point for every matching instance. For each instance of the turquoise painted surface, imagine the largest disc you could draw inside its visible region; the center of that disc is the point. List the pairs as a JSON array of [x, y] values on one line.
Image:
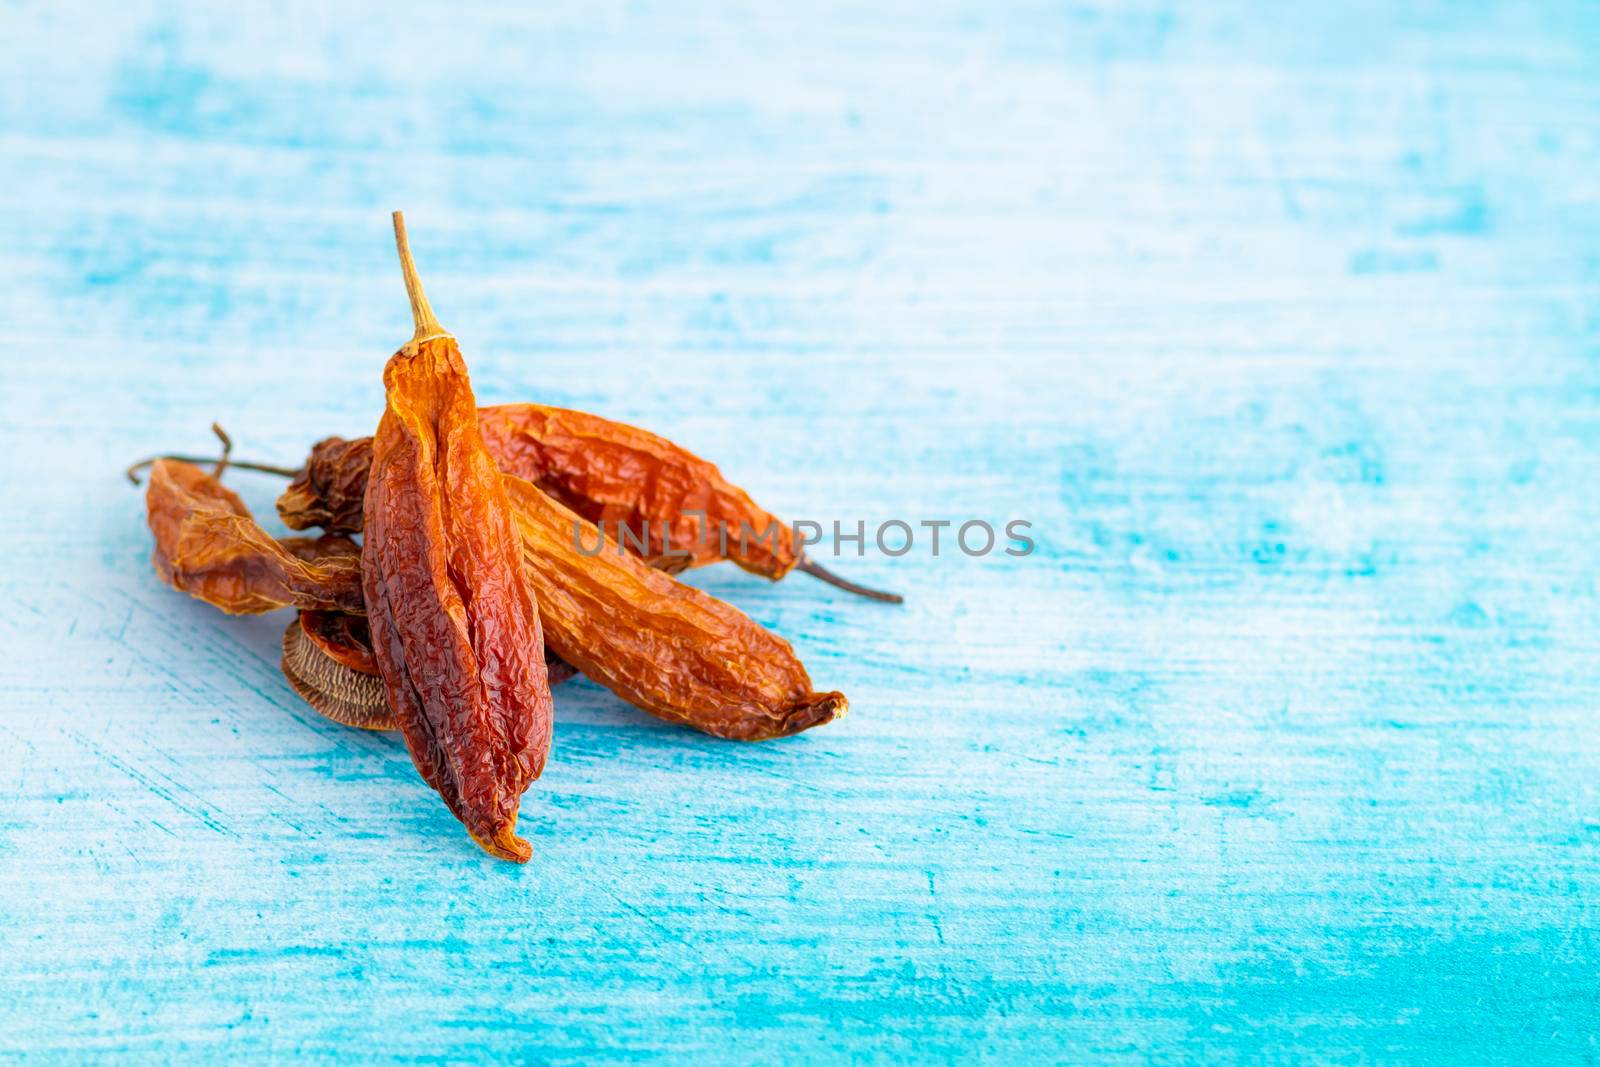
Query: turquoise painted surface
[[1280, 326]]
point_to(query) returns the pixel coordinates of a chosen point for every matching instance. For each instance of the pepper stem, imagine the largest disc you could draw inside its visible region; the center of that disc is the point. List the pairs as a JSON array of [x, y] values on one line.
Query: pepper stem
[[421, 313], [821, 573], [238, 464], [227, 450], [220, 463]]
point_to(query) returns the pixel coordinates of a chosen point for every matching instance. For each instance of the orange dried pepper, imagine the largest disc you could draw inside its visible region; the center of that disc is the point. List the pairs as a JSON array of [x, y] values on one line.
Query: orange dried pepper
[[455, 627], [208, 546], [631, 479], [663, 646]]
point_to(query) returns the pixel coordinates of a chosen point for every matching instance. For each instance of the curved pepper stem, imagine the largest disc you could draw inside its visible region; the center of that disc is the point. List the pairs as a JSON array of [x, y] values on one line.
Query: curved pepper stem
[[821, 573], [219, 463]]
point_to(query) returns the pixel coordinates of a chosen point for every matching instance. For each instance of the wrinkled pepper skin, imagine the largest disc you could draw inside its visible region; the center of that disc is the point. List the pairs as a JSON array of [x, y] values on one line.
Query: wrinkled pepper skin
[[605, 471], [612, 473], [318, 549], [207, 545], [455, 627], [344, 639], [331, 489], [663, 646]]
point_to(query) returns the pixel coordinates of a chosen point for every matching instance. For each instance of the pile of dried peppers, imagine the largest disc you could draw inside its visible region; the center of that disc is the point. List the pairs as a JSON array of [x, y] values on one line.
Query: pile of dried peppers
[[469, 595]]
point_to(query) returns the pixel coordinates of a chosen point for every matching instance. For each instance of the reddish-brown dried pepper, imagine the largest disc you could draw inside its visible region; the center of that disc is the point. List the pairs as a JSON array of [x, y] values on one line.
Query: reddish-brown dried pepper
[[677, 509], [330, 491], [455, 627], [663, 646], [624, 478], [208, 546]]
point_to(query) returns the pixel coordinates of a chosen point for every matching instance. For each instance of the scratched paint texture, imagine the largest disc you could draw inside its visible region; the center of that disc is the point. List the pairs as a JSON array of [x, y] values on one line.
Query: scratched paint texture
[[1281, 325]]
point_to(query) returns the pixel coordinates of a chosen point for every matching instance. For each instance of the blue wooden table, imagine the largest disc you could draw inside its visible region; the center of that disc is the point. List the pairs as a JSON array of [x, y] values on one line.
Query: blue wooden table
[[1281, 326]]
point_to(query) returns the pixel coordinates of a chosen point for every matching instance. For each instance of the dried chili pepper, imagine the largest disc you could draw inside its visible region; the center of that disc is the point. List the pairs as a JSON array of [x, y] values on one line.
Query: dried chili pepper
[[628, 478], [330, 491], [208, 546], [661, 645], [455, 627], [678, 509]]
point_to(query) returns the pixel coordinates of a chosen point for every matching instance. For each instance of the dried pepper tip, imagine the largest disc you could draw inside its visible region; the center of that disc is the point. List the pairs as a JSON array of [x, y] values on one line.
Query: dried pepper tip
[[342, 694], [506, 844], [816, 710]]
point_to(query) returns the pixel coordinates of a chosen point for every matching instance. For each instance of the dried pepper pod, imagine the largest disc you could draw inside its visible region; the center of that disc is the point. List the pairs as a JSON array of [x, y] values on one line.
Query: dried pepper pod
[[455, 627], [631, 479], [330, 491], [663, 646], [657, 499], [207, 545]]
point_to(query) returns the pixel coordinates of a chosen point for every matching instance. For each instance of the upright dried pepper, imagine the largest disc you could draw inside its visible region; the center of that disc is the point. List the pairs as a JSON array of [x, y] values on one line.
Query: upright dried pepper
[[455, 627], [677, 509], [208, 546]]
